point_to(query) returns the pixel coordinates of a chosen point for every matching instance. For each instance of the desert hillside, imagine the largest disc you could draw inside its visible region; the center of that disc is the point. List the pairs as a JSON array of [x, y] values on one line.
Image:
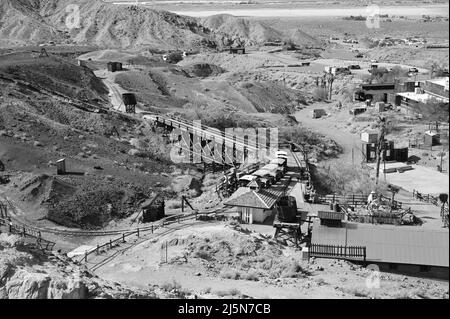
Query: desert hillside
[[102, 24]]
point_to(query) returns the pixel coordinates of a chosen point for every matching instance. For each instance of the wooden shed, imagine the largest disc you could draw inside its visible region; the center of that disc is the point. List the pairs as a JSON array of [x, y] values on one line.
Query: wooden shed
[[114, 66], [431, 138], [318, 113], [237, 50], [153, 209]]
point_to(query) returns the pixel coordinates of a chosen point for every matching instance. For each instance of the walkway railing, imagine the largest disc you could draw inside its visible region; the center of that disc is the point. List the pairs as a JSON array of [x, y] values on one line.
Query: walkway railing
[[27, 232], [338, 252], [426, 198], [139, 231]]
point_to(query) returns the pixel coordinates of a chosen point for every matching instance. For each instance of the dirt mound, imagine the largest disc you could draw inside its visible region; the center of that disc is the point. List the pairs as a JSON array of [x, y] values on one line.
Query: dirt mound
[[94, 209], [271, 97], [43, 188], [102, 24], [237, 30], [54, 74], [203, 70]]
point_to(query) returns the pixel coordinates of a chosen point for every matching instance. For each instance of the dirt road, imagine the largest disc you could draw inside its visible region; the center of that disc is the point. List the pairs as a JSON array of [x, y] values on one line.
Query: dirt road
[[328, 127]]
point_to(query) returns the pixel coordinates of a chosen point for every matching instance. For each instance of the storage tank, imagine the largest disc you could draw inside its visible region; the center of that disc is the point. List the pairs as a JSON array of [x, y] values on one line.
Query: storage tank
[[129, 99], [287, 210]]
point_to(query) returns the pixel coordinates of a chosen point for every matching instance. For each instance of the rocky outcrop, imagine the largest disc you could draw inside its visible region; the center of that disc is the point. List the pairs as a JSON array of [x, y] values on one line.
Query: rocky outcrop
[[28, 273]]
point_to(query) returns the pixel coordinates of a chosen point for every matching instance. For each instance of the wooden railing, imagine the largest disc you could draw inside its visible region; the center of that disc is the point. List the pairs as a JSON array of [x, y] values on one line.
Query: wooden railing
[[139, 231], [25, 232], [352, 200], [426, 198], [338, 252], [375, 219]]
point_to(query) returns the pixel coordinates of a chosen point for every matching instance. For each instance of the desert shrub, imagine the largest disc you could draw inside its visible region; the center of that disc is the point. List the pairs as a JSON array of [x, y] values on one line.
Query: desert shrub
[[287, 268], [434, 111], [251, 276], [88, 210], [315, 144], [230, 274], [203, 252], [169, 286], [355, 18], [229, 292], [175, 288], [207, 290], [343, 179]]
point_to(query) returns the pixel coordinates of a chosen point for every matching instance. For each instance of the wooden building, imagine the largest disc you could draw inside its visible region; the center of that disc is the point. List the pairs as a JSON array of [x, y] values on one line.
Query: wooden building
[[114, 66], [254, 203], [153, 209], [237, 50], [402, 249]]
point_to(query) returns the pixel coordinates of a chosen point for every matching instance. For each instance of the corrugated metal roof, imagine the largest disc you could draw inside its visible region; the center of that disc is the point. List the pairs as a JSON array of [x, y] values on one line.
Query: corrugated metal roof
[[387, 243]]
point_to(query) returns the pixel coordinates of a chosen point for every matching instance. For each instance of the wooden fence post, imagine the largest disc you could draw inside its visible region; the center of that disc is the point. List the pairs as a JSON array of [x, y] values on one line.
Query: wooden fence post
[[98, 249], [123, 238], [110, 244], [152, 228], [85, 256], [138, 232]]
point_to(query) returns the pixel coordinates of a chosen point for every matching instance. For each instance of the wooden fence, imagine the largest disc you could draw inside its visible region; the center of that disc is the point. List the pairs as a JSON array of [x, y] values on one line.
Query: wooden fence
[[152, 228], [426, 198], [28, 232], [352, 199], [374, 219], [338, 252]]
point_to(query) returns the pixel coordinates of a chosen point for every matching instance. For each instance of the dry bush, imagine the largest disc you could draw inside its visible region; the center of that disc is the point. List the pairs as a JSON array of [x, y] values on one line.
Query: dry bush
[[169, 286], [230, 274], [317, 145], [344, 179], [229, 292], [251, 276], [434, 111], [203, 252], [287, 269]]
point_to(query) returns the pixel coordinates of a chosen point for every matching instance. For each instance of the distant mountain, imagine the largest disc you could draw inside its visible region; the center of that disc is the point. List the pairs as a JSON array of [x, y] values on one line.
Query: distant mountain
[[234, 28], [25, 22], [102, 24], [253, 32], [300, 37]]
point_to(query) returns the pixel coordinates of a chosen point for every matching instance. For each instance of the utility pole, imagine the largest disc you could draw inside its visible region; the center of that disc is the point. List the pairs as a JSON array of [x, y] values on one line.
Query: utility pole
[[380, 145]]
